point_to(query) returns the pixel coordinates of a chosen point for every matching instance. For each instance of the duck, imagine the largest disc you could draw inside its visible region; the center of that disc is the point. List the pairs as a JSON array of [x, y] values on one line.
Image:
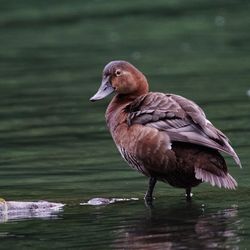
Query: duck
[[164, 136]]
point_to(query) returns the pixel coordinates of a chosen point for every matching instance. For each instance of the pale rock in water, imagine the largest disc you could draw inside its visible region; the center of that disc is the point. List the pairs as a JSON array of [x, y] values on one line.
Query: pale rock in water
[[106, 201], [15, 210]]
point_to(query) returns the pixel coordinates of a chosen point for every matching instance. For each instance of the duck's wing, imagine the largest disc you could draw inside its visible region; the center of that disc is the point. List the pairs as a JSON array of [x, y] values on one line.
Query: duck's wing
[[182, 119]]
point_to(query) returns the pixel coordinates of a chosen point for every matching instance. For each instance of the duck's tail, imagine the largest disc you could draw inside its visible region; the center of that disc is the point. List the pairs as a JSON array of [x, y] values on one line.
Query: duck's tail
[[224, 180]]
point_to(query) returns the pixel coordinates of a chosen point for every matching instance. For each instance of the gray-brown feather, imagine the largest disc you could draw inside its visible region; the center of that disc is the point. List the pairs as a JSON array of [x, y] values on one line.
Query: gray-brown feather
[[181, 118]]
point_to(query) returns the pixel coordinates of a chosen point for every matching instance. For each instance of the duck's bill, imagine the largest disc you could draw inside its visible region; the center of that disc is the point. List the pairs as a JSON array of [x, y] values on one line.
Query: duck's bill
[[104, 90]]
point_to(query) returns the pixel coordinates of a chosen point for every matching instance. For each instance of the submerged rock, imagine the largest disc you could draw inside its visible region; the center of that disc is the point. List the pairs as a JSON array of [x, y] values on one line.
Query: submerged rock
[[14, 210], [106, 201], [98, 201]]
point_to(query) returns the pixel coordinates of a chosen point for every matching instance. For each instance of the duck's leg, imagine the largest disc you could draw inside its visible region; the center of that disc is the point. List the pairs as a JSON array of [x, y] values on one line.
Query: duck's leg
[[188, 194], [149, 194]]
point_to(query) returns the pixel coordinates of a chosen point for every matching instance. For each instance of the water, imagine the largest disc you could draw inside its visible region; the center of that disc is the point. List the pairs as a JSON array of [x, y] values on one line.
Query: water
[[55, 145]]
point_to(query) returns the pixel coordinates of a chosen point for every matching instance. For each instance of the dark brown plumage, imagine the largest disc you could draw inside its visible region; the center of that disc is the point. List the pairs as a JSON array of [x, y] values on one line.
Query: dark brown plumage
[[164, 136]]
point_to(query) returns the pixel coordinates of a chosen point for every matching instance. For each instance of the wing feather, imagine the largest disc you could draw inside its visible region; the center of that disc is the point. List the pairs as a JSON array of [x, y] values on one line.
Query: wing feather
[[180, 118]]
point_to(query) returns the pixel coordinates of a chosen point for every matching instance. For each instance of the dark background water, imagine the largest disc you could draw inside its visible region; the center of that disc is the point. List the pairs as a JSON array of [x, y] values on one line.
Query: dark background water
[[55, 145]]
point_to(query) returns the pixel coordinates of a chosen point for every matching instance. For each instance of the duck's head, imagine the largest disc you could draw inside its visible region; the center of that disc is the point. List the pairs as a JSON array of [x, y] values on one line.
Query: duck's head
[[122, 78]]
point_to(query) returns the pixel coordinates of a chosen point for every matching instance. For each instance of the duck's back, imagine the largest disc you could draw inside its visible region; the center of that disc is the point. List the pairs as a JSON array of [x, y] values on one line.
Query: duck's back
[[180, 118]]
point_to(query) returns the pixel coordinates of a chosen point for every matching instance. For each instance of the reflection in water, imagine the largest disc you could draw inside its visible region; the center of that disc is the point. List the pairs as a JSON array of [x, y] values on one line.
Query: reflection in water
[[188, 227]]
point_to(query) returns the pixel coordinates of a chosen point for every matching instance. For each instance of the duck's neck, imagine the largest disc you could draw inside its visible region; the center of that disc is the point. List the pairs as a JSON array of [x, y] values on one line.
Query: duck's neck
[[118, 103], [115, 111]]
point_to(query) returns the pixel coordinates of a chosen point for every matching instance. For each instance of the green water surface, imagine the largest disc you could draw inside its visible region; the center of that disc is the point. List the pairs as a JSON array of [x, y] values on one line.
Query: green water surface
[[54, 142]]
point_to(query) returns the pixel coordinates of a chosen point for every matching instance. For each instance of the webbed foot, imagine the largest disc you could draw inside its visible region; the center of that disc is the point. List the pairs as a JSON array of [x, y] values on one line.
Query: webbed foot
[[149, 194], [188, 194], [148, 201]]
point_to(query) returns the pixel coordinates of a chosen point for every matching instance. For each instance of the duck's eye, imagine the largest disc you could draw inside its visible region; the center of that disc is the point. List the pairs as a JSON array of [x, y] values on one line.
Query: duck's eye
[[118, 72]]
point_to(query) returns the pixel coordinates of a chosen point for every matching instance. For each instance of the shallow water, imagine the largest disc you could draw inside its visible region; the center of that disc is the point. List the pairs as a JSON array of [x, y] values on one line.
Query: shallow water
[[54, 143]]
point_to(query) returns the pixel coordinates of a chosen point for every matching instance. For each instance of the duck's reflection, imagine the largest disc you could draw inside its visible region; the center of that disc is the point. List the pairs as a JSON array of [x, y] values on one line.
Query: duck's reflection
[[185, 227]]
